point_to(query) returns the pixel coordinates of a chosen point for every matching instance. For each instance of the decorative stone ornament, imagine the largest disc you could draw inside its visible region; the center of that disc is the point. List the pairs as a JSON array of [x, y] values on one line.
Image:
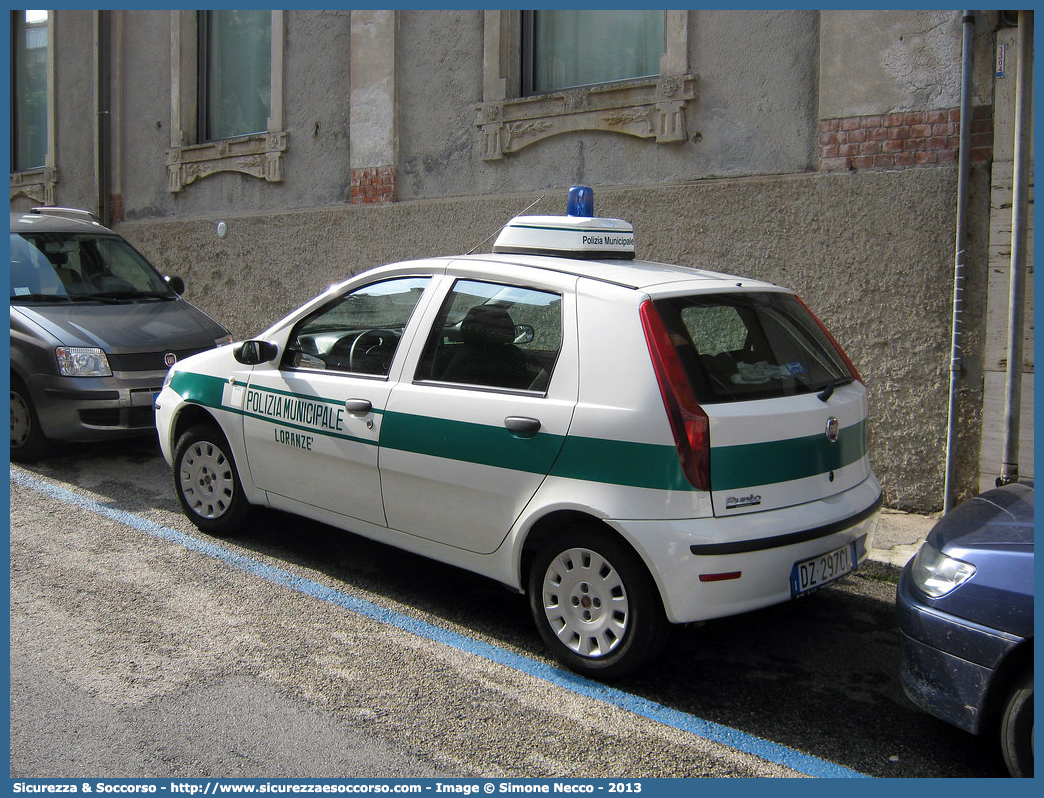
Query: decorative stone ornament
[[258, 156], [645, 108]]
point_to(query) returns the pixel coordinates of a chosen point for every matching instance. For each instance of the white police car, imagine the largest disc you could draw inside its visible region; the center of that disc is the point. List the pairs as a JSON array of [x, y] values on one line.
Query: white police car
[[633, 444]]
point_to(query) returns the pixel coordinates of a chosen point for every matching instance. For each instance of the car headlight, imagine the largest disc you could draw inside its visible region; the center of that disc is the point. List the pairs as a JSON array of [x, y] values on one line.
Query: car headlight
[[937, 574], [82, 361]]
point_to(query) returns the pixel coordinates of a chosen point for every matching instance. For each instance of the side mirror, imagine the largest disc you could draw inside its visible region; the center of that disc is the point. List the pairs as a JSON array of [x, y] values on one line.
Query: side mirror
[[177, 285], [251, 353]]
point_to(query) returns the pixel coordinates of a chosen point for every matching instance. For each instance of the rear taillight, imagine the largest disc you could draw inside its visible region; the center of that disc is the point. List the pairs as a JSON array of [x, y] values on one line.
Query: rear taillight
[[689, 424], [841, 352]]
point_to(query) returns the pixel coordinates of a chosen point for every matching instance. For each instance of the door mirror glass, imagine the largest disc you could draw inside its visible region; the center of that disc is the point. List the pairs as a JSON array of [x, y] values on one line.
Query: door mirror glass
[[251, 353], [177, 285]]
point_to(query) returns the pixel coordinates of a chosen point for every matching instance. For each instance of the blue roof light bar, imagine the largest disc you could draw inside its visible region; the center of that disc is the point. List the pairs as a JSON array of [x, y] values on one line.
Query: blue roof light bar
[[581, 202]]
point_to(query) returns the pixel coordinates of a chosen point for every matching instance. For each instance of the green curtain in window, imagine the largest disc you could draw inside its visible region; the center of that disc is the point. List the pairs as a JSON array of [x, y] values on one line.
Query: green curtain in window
[[578, 48], [237, 72], [29, 85]]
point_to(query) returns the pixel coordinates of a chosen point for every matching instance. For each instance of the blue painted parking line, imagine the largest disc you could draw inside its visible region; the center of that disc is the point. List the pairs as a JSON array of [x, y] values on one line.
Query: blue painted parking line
[[715, 732]]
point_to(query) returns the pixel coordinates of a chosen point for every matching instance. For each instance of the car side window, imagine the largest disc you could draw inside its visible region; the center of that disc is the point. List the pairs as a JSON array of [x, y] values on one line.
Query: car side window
[[494, 335], [357, 332]]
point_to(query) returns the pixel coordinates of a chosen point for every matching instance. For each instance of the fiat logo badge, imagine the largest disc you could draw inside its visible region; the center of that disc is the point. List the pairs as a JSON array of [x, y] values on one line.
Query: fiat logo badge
[[170, 359], [833, 429]]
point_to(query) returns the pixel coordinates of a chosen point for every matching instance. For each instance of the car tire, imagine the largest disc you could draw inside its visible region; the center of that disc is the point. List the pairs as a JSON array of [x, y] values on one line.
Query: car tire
[[1017, 728], [595, 604], [28, 443], [207, 482]]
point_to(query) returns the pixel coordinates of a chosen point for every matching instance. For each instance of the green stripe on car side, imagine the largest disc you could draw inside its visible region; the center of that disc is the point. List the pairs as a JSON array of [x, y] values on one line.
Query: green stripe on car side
[[747, 465], [637, 465], [201, 389], [624, 463], [473, 443], [592, 459]]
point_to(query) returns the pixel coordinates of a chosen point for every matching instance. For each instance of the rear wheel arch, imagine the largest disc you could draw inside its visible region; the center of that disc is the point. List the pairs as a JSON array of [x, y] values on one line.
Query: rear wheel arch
[[593, 597], [554, 523], [544, 530]]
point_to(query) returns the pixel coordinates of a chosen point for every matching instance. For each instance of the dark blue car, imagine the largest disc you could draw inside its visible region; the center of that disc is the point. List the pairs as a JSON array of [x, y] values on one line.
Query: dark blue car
[[965, 605]]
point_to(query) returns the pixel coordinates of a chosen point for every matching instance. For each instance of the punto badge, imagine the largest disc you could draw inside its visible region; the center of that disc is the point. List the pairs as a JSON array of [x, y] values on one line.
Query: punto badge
[[170, 359]]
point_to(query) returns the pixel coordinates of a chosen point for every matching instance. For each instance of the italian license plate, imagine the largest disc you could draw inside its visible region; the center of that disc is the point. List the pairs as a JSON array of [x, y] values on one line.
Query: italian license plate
[[813, 573]]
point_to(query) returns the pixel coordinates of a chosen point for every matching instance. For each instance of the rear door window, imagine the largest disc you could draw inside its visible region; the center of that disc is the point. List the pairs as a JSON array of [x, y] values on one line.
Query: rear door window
[[751, 346], [495, 336]]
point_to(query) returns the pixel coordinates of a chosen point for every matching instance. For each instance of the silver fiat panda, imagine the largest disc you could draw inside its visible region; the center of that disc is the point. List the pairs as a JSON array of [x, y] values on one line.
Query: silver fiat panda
[[94, 328]]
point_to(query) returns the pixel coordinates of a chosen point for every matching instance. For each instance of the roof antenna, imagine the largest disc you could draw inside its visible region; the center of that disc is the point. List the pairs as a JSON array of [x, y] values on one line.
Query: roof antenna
[[484, 240]]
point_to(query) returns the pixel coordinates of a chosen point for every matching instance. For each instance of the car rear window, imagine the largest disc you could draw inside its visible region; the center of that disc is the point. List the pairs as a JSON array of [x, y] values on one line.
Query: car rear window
[[746, 346]]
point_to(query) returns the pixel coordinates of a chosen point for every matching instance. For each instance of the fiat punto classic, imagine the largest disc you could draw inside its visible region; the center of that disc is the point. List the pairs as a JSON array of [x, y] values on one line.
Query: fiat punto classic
[[633, 444]]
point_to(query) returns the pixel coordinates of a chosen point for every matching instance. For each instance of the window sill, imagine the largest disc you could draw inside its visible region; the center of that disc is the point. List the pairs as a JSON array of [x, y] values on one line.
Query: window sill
[[652, 108], [36, 184], [259, 156]]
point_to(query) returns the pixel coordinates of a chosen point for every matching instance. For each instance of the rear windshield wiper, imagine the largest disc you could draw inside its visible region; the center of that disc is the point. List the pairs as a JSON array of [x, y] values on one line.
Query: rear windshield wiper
[[832, 383]]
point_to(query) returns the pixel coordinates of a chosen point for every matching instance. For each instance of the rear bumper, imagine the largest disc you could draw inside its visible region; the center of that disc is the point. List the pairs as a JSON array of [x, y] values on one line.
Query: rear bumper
[[948, 663], [715, 567]]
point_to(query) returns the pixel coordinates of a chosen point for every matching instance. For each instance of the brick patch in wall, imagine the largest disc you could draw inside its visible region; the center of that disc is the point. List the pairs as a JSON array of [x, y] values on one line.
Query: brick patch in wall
[[373, 185], [902, 140], [116, 209]]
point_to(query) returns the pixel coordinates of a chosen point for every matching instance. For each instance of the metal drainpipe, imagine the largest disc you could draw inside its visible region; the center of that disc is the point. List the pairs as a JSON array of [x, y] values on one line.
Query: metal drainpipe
[[103, 123], [1017, 279], [963, 169]]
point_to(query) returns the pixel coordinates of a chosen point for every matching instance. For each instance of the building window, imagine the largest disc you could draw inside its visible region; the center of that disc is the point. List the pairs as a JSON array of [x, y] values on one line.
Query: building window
[[29, 95], [226, 95], [547, 73], [32, 150], [235, 88], [565, 49]]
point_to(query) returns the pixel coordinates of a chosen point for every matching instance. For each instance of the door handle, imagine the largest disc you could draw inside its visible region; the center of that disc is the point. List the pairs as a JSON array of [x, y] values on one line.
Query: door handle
[[522, 425], [358, 406]]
